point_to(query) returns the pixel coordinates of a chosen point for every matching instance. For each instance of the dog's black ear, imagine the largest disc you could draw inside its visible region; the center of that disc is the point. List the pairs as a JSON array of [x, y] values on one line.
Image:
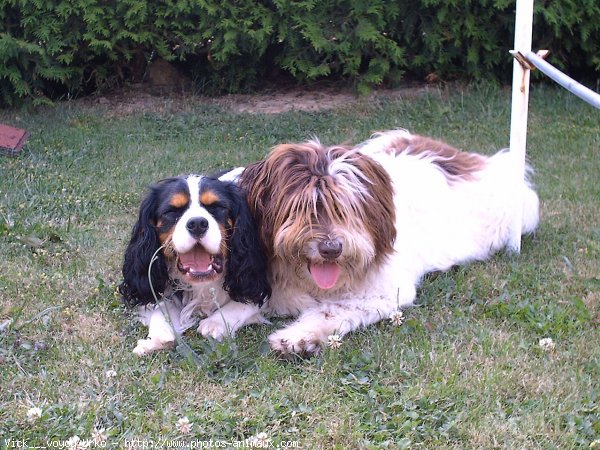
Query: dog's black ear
[[246, 274], [143, 245], [258, 194]]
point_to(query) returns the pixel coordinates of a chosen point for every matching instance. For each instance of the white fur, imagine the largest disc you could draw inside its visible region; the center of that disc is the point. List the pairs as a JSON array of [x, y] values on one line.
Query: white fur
[[222, 316], [233, 175], [183, 241], [439, 224]]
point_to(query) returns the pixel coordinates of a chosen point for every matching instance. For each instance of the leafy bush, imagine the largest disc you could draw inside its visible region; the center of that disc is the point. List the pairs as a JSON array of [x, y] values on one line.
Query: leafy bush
[[458, 38], [54, 48], [471, 39], [348, 39]]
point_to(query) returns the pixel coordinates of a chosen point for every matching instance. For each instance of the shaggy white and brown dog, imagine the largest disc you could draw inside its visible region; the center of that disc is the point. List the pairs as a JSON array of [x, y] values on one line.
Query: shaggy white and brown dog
[[350, 232]]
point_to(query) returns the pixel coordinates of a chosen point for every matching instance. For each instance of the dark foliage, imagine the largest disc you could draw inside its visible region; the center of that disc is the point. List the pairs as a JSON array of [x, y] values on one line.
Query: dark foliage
[[63, 48]]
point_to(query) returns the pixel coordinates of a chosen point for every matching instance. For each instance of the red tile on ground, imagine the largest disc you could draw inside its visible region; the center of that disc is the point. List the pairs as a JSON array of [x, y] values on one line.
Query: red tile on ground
[[12, 139]]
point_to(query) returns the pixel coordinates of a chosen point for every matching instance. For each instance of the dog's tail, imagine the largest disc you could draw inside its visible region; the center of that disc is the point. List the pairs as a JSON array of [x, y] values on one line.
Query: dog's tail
[[531, 205], [518, 191]]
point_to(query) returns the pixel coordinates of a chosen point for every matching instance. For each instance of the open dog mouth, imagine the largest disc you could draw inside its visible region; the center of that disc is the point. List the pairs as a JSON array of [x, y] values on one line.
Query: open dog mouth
[[198, 264]]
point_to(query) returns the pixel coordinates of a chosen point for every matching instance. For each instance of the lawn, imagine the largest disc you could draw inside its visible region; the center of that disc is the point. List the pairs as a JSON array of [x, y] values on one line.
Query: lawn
[[464, 371]]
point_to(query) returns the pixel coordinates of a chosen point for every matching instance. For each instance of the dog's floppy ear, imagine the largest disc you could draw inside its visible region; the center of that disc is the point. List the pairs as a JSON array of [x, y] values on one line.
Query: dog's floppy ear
[[143, 245], [246, 275], [253, 182]]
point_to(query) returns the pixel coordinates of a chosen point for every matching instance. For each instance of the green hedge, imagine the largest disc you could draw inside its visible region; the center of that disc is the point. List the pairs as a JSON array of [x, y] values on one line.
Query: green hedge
[[53, 48]]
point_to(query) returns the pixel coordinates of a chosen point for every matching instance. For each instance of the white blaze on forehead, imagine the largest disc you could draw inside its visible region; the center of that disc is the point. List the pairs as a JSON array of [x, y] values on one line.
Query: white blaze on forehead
[[183, 241]]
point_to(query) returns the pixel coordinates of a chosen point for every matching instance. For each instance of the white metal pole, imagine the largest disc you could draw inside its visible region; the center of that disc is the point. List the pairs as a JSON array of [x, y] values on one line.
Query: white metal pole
[[565, 81], [519, 110]]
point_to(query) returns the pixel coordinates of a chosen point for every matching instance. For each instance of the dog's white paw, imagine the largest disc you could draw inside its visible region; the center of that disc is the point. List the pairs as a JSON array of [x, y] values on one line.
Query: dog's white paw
[[291, 340], [214, 327], [146, 346]]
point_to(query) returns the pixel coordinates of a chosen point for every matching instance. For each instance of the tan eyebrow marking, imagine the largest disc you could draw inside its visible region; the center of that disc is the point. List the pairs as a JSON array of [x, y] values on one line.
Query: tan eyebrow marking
[[179, 200], [208, 198]]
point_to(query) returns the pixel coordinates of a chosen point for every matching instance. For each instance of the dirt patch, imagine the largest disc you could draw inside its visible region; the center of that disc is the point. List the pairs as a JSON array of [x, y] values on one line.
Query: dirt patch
[[139, 100], [293, 100]]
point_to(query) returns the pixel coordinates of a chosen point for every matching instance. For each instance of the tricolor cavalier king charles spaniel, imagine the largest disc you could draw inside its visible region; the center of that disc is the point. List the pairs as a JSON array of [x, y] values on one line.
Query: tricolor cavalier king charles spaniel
[[195, 248], [350, 232]]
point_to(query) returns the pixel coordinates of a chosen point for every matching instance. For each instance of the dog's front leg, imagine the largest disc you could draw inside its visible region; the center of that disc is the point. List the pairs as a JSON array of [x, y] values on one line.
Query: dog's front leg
[[161, 330], [229, 318], [311, 331]]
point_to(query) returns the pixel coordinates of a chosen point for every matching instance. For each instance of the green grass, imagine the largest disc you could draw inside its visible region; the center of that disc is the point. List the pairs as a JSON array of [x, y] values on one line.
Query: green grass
[[464, 371]]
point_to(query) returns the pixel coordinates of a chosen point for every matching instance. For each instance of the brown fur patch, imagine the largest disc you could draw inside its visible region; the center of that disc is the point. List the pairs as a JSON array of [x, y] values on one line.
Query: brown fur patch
[[382, 212], [455, 163], [179, 200], [223, 247], [208, 198], [165, 236]]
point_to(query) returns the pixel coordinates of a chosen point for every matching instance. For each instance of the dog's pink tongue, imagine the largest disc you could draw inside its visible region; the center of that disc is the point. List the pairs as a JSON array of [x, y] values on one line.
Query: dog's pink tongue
[[196, 260], [325, 274]]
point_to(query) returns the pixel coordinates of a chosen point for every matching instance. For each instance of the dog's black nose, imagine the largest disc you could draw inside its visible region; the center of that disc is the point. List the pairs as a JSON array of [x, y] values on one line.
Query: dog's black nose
[[330, 249], [197, 226]]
